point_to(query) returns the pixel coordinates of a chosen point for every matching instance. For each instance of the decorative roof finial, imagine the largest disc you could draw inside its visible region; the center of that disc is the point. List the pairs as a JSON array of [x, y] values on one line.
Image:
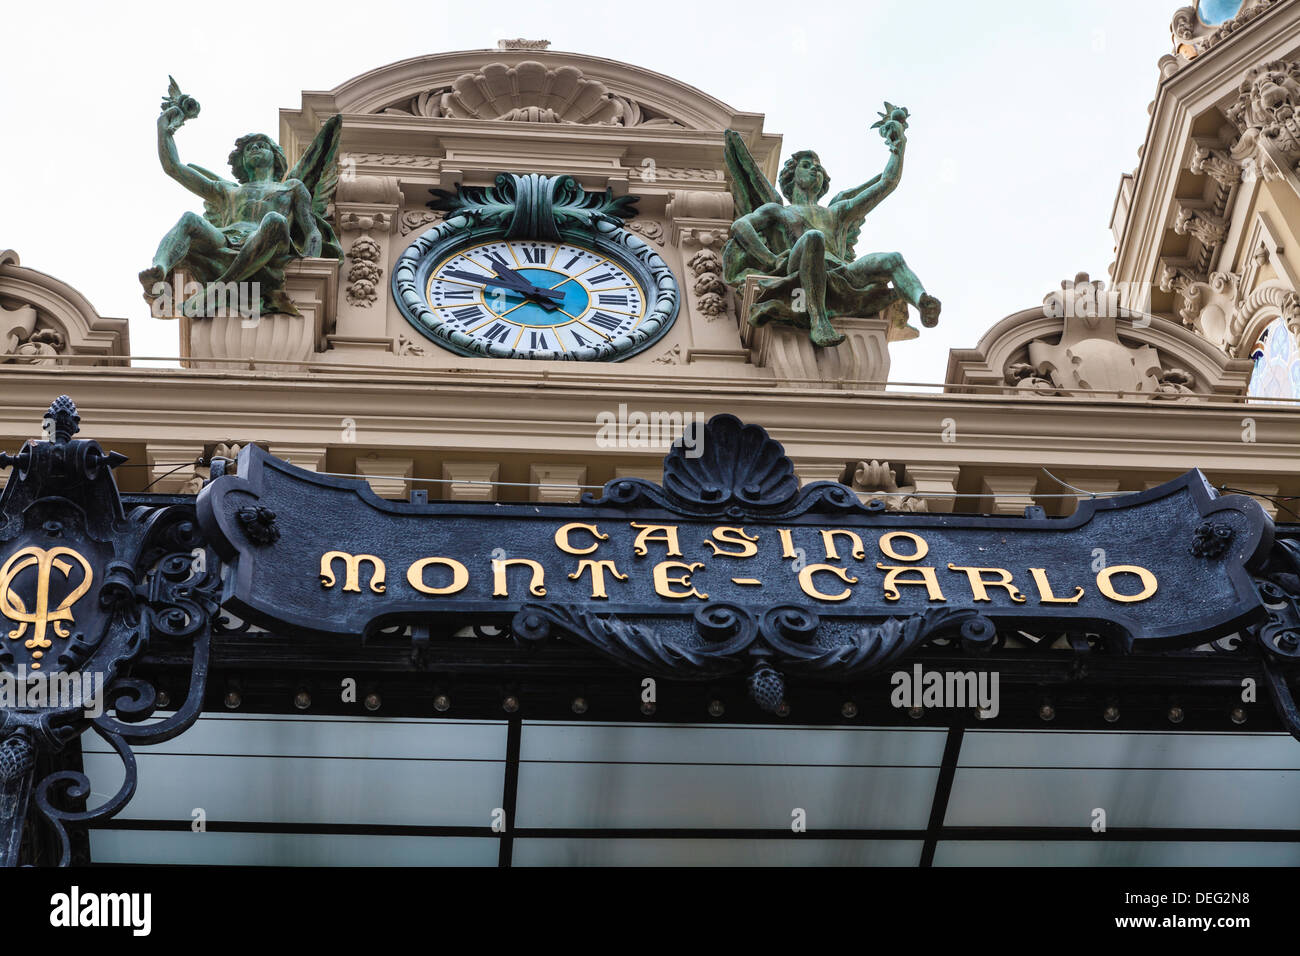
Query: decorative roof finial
[[521, 44], [62, 421]]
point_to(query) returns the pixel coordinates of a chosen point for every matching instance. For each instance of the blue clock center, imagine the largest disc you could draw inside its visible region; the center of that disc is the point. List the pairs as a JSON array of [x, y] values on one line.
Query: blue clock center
[[501, 300]]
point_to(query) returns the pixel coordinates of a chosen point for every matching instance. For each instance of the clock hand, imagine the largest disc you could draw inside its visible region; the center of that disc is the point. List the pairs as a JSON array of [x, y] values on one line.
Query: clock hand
[[527, 286], [516, 283]]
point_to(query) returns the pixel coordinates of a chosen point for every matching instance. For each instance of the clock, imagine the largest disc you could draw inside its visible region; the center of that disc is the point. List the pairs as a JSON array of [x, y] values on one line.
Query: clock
[[537, 299], [570, 285]]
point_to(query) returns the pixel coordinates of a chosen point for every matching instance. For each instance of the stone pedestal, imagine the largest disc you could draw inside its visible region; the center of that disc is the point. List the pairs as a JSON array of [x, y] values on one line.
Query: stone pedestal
[[276, 339], [861, 360]]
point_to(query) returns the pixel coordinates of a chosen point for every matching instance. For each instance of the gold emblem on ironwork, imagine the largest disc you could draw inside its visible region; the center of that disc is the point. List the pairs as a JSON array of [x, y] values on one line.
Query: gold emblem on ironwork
[[39, 619]]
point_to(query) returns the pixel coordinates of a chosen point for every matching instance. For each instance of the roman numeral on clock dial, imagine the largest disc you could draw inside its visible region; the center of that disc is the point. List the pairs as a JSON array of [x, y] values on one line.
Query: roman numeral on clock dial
[[534, 296]]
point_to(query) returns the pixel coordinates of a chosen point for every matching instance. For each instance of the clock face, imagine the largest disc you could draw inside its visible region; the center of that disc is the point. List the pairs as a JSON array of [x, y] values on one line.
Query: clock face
[[535, 297], [581, 295]]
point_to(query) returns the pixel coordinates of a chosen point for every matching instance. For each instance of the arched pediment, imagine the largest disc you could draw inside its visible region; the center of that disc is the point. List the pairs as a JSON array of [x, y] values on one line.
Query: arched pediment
[[1080, 343], [531, 86], [42, 318]]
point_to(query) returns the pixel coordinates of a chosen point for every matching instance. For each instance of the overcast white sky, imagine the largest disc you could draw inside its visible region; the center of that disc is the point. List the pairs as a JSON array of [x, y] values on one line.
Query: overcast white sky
[[1024, 115]]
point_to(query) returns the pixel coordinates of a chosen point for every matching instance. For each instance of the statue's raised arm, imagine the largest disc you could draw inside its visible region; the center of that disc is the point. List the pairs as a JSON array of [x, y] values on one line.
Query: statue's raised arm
[[860, 200], [177, 107]]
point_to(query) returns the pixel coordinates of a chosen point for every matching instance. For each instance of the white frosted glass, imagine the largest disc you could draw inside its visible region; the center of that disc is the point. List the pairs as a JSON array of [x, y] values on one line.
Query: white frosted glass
[[289, 849], [688, 852]]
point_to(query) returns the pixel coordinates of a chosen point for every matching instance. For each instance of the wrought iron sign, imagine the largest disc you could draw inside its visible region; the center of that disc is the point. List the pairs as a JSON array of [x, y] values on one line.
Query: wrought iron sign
[[85, 588], [728, 569]]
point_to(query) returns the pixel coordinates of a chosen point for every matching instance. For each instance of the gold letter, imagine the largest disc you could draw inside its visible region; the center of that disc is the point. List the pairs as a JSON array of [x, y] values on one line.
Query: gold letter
[[887, 547], [598, 569], [662, 580], [787, 544], [536, 587], [352, 568], [979, 586], [805, 582], [1108, 589], [832, 553], [1045, 595], [667, 533], [562, 538], [892, 579], [459, 576], [734, 536]]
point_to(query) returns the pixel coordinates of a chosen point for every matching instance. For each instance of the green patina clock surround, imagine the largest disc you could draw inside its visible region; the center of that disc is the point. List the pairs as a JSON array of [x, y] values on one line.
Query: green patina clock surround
[[557, 248]]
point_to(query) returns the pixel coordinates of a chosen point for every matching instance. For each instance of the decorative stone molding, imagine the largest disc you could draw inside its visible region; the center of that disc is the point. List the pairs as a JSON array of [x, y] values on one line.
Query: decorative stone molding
[[521, 44], [1177, 277], [1218, 164], [651, 472], [647, 228], [877, 480], [1007, 494], [672, 357], [43, 320], [1266, 109], [387, 476], [653, 173], [1067, 348], [709, 293], [936, 485], [365, 273], [407, 345], [555, 484], [418, 220], [409, 160], [1257, 310], [531, 92], [307, 457], [1192, 38], [470, 480], [1195, 220]]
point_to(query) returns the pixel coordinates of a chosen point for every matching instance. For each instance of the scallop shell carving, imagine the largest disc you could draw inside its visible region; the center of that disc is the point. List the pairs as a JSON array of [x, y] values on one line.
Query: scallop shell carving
[[530, 92], [736, 463]]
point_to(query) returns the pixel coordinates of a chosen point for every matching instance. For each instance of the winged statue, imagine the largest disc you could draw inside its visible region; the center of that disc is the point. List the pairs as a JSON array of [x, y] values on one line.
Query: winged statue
[[803, 252], [250, 228]]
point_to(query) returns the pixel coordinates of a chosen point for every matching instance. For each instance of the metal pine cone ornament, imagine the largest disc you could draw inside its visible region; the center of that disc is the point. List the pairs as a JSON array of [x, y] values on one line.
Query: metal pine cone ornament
[[767, 687], [16, 757]]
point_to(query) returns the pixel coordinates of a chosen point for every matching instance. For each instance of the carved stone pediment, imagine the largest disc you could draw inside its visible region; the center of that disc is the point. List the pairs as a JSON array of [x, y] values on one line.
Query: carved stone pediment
[[43, 319], [531, 92], [1081, 344]]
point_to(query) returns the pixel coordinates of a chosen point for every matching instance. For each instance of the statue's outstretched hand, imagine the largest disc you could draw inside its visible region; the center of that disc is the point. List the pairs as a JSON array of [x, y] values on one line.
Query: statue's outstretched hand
[[893, 134], [170, 119]]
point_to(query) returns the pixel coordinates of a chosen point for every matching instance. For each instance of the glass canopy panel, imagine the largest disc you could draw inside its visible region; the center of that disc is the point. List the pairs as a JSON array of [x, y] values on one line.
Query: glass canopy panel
[[702, 776], [1068, 853], [1214, 12], [801, 851], [1043, 779], [315, 770], [289, 849]]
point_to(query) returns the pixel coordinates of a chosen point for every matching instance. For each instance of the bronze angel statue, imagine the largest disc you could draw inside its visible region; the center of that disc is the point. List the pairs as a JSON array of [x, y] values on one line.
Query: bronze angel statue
[[250, 228], [804, 252]]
